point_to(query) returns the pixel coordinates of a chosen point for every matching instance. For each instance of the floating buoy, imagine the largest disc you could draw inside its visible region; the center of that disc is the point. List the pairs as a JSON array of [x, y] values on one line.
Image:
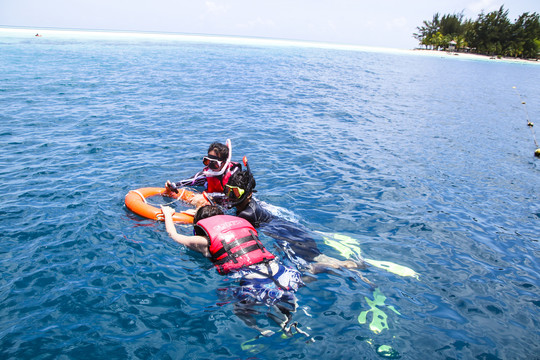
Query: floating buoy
[[529, 123]]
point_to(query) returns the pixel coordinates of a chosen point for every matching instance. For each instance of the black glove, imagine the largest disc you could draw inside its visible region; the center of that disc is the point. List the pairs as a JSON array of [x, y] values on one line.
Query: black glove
[[171, 186]]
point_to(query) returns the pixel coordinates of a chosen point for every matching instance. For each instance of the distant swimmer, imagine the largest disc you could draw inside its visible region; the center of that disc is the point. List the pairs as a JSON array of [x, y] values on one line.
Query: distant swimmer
[[38, 35]]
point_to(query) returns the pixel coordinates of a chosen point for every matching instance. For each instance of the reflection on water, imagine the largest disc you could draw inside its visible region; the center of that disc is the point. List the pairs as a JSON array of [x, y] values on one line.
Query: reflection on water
[[422, 165]]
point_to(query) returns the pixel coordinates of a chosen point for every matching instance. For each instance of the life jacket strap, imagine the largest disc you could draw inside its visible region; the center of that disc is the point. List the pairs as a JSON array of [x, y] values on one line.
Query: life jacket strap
[[227, 248], [272, 277]]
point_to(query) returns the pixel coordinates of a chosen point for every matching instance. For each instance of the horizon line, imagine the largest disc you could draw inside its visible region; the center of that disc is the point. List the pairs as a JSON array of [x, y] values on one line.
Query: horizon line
[[214, 38], [252, 41]]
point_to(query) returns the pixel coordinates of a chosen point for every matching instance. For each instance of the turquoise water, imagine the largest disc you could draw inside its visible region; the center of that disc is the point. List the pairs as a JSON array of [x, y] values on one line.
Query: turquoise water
[[426, 162]]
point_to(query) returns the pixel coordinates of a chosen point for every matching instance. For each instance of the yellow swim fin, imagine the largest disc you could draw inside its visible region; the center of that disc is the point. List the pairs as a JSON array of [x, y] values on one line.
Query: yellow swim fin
[[393, 268], [348, 247]]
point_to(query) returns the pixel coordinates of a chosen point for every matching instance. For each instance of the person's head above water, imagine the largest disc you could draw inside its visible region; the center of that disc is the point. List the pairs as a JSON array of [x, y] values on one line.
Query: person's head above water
[[202, 213], [240, 187], [218, 154], [218, 160], [206, 212], [220, 150]]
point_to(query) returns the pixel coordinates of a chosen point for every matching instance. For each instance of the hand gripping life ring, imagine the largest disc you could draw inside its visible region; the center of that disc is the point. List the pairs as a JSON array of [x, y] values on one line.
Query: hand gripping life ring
[[136, 201]]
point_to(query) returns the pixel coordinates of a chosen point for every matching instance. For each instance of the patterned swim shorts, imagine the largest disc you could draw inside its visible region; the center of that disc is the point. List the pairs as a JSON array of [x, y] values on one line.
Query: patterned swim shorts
[[257, 286]]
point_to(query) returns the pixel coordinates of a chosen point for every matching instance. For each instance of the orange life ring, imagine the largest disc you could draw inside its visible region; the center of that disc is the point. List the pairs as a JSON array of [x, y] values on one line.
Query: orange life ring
[[136, 201]]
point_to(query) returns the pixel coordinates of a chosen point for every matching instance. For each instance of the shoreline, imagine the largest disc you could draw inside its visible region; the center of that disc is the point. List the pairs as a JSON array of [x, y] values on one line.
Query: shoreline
[[472, 56], [42, 32]]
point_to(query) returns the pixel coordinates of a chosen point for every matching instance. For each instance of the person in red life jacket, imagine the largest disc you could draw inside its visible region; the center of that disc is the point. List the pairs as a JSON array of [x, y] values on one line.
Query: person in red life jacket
[[218, 169], [233, 245]]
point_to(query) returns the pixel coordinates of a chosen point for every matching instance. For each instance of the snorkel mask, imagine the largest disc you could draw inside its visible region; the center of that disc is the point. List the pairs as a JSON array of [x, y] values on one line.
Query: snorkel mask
[[213, 162]]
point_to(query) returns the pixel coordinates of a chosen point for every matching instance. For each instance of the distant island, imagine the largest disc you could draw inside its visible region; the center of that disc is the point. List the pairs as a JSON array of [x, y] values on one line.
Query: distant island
[[491, 34]]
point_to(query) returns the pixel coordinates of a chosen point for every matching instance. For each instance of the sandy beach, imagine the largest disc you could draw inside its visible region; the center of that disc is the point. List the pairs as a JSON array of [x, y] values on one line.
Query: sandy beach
[[469, 56], [236, 40]]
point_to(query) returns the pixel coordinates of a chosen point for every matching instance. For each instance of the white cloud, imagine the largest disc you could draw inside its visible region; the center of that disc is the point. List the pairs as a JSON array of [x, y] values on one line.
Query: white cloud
[[485, 5], [397, 23], [215, 8], [257, 23]]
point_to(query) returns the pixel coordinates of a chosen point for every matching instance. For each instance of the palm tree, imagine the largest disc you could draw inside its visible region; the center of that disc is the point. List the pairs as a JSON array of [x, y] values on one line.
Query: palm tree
[[491, 33], [427, 31]]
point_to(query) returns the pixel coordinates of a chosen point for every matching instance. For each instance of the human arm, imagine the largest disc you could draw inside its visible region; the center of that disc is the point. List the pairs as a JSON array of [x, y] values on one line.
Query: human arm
[[197, 243], [196, 199], [199, 200], [199, 179]]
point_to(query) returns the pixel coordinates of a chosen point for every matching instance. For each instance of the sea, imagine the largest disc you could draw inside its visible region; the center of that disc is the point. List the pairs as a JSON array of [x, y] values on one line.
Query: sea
[[423, 163]]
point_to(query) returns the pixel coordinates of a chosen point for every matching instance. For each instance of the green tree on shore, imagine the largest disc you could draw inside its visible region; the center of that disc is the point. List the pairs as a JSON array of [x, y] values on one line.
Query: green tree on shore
[[490, 34]]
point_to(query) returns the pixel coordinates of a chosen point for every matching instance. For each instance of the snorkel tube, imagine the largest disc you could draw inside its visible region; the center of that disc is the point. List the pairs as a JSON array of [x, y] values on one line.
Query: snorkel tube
[[251, 183], [225, 166], [246, 164]]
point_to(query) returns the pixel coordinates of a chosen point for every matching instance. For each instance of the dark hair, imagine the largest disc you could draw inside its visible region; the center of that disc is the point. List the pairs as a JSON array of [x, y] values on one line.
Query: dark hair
[[244, 180], [222, 151], [206, 212]]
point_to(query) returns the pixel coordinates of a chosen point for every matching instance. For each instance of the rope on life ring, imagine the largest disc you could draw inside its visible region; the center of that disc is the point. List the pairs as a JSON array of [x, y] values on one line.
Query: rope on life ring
[[136, 201], [141, 195]]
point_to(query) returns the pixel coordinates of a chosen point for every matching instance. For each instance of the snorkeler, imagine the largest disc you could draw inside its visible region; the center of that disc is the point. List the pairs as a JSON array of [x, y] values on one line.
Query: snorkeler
[[233, 246], [296, 242], [218, 169]]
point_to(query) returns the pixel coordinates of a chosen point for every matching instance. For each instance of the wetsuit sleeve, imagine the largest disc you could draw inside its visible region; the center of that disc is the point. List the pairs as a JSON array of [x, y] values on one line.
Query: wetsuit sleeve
[[255, 214], [197, 180], [249, 215]]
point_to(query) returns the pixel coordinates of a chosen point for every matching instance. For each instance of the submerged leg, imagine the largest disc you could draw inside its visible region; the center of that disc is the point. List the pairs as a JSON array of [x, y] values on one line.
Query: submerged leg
[[322, 261], [246, 314]]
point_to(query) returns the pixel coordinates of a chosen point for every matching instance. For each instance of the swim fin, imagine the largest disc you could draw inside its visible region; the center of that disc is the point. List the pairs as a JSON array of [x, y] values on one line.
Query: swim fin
[[348, 247]]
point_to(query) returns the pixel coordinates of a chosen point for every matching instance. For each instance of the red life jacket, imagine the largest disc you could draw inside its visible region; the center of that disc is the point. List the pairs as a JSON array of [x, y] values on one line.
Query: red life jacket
[[217, 183], [233, 243]]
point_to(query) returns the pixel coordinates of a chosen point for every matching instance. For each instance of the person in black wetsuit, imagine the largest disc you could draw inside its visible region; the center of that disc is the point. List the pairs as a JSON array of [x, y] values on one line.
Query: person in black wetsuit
[[296, 242]]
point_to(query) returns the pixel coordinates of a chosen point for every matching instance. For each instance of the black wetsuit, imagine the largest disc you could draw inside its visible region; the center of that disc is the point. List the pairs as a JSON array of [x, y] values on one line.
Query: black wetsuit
[[295, 241], [255, 214]]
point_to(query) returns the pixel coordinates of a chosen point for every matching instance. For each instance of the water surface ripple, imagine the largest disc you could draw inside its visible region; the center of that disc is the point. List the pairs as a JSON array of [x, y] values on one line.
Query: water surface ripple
[[426, 161]]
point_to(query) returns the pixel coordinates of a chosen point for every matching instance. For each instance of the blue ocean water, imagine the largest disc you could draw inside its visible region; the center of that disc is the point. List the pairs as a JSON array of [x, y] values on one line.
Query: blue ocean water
[[426, 162]]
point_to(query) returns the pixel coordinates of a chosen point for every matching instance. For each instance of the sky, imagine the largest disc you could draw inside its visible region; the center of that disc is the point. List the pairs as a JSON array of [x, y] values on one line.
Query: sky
[[378, 23]]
